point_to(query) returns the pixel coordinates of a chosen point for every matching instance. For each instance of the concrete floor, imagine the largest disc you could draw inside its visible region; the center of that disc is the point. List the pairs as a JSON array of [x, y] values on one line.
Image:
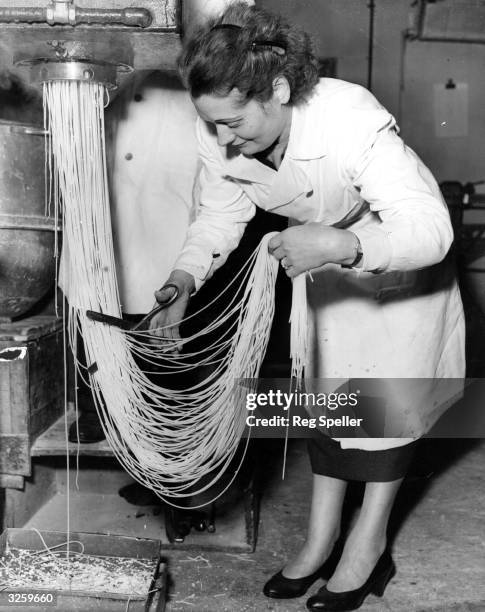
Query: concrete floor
[[437, 530]]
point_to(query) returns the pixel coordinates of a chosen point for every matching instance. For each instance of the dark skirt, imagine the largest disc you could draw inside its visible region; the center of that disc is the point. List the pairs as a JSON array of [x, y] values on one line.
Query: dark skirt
[[328, 458]]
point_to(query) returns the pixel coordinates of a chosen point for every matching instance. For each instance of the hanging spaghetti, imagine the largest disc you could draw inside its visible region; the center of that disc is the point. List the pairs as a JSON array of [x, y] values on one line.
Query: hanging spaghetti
[[176, 441]]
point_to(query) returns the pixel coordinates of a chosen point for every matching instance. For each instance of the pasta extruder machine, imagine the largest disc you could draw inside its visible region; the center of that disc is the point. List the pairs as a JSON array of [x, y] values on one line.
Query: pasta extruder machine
[[99, 40]]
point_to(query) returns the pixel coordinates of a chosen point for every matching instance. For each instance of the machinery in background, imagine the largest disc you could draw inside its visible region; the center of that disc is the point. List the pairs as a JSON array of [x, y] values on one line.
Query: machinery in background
[[449, 20], [89, 39], [27, 233], [61, 39], [466, 204]]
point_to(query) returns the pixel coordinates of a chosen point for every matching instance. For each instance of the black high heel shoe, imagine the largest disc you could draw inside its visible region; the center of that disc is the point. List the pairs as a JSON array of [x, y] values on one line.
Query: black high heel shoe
[[330, 601], [281, 587]]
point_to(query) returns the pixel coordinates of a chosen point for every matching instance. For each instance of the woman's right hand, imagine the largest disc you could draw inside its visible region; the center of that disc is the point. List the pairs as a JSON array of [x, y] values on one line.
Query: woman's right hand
[[165, 324]]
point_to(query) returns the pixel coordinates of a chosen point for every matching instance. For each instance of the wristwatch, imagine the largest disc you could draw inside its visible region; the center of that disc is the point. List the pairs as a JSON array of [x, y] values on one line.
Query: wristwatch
[[358, 255]]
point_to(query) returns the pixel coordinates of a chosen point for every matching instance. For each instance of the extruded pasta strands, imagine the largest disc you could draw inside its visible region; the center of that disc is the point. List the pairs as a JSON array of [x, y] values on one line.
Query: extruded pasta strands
[[178, 442], [299, 328]]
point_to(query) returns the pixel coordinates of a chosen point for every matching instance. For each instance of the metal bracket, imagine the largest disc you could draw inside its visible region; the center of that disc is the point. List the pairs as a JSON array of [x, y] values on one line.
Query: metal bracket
[[61, 11]]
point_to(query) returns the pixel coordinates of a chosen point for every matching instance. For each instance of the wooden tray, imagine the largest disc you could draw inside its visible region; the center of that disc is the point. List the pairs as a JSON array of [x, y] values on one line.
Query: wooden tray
[[95, 544]]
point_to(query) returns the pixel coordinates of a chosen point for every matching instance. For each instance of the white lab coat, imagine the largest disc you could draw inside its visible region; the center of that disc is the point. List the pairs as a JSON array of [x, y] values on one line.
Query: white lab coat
[[154, 163], [345, 164]]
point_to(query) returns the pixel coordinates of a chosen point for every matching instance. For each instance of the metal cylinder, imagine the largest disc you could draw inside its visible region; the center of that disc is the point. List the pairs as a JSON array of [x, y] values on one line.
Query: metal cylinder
[[27, 264]]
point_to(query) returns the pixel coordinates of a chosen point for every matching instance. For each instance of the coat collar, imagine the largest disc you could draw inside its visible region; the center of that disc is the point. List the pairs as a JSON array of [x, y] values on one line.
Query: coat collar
[[282, 187], [307, 139], [248, 169]]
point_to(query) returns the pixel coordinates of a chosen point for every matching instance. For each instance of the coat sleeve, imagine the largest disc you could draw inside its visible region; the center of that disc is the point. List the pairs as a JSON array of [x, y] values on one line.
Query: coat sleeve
[[415, 229], [222, 215]]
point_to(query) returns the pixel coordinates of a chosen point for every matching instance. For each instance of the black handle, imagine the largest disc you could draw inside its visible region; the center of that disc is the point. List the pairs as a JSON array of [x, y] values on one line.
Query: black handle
[[108, 319]]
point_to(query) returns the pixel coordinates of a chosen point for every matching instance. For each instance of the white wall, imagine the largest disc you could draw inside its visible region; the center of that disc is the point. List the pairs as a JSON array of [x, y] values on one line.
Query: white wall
[[340, 28]]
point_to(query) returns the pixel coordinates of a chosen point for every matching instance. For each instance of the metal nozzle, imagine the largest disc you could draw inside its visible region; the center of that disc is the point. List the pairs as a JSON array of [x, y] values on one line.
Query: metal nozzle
[[44, 70]]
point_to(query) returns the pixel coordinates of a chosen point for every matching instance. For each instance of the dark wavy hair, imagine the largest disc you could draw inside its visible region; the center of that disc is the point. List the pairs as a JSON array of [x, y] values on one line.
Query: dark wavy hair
[[247, 48]]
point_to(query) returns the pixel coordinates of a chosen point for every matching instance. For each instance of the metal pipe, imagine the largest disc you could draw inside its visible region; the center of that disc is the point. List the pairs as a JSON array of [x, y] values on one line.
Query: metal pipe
[[135, 17], [370, 59], [23, 15], [69, 14]]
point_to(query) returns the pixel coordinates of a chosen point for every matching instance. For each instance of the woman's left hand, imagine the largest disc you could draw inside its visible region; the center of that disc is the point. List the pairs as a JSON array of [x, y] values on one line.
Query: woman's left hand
[[304, 247]]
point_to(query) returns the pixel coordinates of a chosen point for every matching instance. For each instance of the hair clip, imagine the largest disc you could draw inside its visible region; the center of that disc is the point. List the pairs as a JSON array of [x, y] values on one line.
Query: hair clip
[[226, 26], [273, 45]]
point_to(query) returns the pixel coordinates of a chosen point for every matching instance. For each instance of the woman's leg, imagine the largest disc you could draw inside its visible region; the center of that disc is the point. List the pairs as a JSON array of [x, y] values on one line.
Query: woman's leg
[[323, 526], [367, 538]]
